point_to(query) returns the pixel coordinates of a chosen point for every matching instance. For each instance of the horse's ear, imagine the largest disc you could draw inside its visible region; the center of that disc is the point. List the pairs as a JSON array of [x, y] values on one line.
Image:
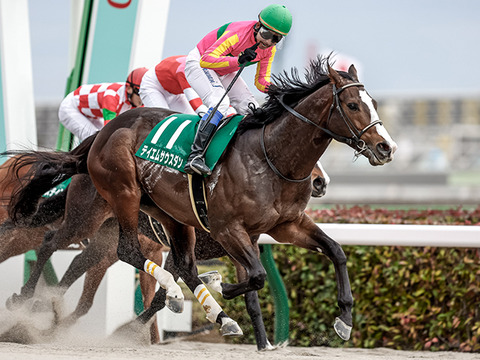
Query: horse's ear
[[353, 72], [334, 76]]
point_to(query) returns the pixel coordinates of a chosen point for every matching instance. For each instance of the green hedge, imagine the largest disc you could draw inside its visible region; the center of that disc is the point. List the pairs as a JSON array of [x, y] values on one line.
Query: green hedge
[[405, 297]]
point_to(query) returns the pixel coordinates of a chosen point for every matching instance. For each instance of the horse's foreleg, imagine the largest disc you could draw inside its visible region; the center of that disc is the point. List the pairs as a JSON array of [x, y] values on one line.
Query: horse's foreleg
[[46, 250], [254, 311], [240, 247], [306, 234], [19, 240]]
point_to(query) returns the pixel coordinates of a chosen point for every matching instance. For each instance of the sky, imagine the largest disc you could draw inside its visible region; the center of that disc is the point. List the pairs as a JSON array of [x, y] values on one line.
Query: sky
[[406, 47]]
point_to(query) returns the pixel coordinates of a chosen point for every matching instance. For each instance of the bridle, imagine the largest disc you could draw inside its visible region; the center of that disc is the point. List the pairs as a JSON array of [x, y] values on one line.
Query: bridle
[[354, 141]]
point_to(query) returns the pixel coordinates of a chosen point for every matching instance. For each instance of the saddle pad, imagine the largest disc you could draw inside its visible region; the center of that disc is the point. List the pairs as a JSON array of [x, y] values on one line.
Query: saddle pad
[[169, 142], [57, 189]]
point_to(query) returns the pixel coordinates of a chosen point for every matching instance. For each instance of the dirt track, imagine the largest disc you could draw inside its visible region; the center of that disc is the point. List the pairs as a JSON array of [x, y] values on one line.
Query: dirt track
[[199, 351]]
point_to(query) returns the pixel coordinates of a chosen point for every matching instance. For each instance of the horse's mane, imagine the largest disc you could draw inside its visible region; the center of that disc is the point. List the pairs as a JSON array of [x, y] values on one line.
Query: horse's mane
[[292, 88]]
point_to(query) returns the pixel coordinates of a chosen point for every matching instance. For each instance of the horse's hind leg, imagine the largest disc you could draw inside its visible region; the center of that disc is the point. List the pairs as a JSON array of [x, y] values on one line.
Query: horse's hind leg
[[116, 180], [81, 209], [305, 233], [93, 278], [183, 251], [104, 239], [158, 301], [153, 251]]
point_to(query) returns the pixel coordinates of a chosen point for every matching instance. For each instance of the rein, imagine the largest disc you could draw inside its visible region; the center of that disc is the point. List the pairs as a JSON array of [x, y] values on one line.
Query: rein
[[354, 141]]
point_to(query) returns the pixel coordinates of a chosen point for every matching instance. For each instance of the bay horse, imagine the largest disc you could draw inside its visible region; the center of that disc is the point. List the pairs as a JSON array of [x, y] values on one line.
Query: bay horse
[[83, 212], [94, 260], [259, 185]]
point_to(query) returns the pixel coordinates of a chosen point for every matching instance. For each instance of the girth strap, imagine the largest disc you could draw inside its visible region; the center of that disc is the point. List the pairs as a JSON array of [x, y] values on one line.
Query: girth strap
[[196, 188]]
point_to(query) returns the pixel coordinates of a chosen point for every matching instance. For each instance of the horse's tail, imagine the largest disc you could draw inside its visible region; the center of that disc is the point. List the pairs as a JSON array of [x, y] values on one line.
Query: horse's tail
[[50, 210], [47, 169]]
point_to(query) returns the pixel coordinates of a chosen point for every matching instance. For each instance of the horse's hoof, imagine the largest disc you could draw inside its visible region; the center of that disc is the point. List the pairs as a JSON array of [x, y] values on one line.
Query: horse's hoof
[[269, 347], [212, 279], [231, 328], [14, 302], [343, 330], [175, 304]]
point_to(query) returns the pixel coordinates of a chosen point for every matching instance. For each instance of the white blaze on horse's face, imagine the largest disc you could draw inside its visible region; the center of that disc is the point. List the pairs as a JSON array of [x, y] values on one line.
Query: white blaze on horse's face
[[325, 175], [374, 117]]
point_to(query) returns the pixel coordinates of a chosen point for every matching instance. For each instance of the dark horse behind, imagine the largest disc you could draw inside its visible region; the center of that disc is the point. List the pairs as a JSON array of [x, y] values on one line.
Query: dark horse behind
[[260, 185]]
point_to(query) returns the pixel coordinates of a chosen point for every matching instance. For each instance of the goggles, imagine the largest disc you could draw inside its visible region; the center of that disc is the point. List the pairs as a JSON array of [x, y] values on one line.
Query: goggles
[[269, 35]]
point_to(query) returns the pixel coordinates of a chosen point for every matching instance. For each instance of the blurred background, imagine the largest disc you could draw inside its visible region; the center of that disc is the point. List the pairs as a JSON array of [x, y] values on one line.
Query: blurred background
[[418, 59]]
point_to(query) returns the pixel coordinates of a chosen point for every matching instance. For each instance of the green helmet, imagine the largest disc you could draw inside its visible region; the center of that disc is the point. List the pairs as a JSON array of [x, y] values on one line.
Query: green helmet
[[276, 18]]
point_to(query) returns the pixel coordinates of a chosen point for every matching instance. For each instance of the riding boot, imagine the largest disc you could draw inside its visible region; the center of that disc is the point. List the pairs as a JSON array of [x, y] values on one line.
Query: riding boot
[[196, 160]]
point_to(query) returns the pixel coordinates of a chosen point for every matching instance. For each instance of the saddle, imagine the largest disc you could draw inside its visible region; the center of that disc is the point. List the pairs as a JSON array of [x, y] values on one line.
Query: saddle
[[169, 144]]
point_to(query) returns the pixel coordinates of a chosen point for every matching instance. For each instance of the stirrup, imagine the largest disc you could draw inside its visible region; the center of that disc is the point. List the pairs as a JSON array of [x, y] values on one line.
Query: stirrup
[[200, 167]]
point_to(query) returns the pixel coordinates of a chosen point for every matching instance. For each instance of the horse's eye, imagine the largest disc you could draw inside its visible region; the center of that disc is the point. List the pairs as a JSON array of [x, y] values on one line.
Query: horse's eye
[[352, 106]]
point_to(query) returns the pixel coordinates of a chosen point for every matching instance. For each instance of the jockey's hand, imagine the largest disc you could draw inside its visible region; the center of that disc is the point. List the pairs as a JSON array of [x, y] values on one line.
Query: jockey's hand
[[248, 55]]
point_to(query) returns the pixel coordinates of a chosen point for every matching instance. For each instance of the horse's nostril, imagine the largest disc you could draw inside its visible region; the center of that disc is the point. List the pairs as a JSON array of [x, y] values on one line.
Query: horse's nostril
[[384, 148]]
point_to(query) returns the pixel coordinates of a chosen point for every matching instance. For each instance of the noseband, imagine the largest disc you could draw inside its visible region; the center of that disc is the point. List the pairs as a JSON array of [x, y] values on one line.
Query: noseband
[[354, 141]]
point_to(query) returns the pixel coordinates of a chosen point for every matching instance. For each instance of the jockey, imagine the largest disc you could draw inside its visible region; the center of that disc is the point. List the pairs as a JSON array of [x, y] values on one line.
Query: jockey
[[90, 107], [165, 86], [213, 63]]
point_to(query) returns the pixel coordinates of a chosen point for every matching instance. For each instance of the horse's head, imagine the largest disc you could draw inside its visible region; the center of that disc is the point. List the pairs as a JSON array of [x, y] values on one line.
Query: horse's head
[[355, 121]]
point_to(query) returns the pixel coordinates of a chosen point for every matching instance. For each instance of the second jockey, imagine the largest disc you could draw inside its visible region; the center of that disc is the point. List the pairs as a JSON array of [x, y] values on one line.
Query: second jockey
[[86, 110], [165, 86]]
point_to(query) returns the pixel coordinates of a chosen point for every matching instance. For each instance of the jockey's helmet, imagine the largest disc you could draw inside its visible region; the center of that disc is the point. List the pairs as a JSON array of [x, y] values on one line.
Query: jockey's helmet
[[135, 78], [276, 18]]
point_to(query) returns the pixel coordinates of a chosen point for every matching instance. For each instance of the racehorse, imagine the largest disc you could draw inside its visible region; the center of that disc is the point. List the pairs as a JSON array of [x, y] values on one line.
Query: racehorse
[[259, 185], [19, 239], [84, 212]]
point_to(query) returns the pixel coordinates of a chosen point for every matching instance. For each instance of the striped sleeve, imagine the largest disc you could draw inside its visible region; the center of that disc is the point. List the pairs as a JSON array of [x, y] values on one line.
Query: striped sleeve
[[215, 57], [264, 72]]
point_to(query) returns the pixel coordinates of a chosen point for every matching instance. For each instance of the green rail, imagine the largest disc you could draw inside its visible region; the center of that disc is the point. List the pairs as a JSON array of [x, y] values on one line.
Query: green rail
[[279, 292]]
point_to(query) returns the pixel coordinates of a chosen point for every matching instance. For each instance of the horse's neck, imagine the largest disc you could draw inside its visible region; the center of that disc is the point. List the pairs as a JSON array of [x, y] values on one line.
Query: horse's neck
[[294, 144]]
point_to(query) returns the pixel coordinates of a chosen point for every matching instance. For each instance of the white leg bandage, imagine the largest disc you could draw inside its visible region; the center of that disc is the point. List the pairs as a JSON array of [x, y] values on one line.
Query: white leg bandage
[[164, 278], [210, 306]]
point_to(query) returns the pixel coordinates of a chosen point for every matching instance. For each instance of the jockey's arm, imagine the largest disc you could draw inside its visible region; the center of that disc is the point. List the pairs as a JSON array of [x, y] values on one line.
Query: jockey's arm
[[108, 115], [109, 105], [264, 72]]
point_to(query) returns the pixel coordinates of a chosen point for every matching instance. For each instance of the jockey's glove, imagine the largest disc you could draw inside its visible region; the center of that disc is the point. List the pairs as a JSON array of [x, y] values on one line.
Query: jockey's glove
[[247, 55]]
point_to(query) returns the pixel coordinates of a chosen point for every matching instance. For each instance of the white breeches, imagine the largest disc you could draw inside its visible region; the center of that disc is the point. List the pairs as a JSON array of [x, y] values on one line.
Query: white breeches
[[211, 87], [75, 122], [153, 94]]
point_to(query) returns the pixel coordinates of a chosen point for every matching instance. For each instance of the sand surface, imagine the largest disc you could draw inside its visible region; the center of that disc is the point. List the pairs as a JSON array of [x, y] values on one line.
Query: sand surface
[[187, 350], [27, 335]]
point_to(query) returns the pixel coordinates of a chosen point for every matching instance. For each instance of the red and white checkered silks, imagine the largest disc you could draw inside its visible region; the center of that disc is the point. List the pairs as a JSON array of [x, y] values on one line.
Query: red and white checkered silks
[[92, 99]]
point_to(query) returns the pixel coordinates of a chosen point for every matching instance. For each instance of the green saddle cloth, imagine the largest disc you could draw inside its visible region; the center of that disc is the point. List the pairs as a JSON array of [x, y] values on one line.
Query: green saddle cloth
[[169, 142], [57, 189]]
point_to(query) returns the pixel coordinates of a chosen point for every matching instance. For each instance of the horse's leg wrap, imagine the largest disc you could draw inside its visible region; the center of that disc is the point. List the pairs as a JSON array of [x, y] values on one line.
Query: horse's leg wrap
[[174, 293], [211, 307], [229, 327], [212, 279]]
